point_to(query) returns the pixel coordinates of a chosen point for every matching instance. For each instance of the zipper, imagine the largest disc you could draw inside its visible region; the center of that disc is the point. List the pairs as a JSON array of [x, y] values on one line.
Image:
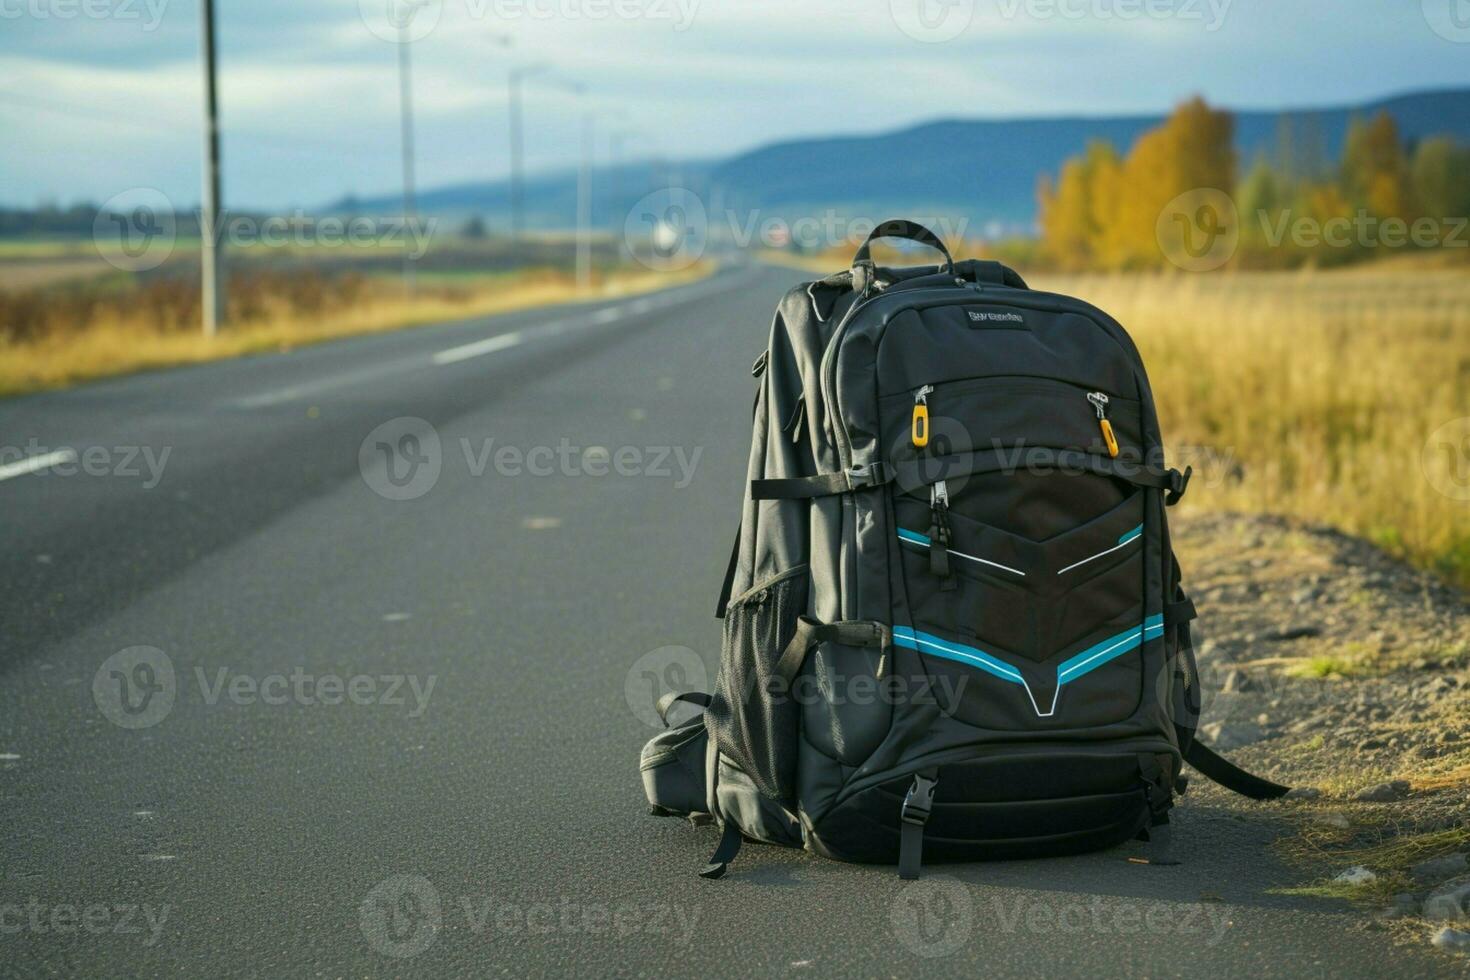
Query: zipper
[[828, 365], [1100, 402], [940, 535], [919, 429], [1041, 301]]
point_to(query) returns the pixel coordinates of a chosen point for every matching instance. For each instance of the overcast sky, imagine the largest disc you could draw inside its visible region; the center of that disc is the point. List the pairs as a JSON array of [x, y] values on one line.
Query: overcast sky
[[98, 96]]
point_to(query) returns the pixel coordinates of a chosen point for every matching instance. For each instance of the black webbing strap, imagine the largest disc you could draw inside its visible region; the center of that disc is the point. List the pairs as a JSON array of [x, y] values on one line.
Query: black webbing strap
[[917, 805], [915, 473], [821, 485], [1179, 612], [912, 474], [810, 632], [1231, 776], [724, 601], [725, 851], [988, 270], [1158, 789], [672, 698]]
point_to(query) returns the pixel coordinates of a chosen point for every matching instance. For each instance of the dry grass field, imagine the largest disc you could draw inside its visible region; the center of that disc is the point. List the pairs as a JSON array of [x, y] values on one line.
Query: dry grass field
[[60, 334]]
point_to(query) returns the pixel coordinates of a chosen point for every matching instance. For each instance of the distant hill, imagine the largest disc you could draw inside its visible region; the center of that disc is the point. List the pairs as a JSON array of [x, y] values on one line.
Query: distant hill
[[982, 169]]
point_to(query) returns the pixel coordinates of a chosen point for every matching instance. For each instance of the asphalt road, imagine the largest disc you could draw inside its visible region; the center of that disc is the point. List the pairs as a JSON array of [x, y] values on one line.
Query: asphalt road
[[261, 718]]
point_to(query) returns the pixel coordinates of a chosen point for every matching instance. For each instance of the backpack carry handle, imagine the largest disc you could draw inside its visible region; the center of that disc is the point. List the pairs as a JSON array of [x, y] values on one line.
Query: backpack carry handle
[[902, 228]]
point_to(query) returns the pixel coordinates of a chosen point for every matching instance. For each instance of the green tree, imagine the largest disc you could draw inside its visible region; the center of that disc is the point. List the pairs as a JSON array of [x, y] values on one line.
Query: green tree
[[1375, 170], [1440, 175]]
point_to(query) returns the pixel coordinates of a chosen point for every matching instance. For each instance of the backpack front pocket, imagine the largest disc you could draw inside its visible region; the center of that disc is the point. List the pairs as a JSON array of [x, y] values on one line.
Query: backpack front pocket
[[1025, 634], [753, 719]]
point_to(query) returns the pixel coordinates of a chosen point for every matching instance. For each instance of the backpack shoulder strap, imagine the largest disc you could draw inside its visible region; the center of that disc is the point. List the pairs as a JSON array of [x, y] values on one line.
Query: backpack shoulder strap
[[1231, 776]]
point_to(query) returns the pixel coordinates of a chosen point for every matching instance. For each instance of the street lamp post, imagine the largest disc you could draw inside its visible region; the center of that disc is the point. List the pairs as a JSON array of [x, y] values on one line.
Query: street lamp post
[[584, 206], [405, 105], [212, 299], [517, 147]]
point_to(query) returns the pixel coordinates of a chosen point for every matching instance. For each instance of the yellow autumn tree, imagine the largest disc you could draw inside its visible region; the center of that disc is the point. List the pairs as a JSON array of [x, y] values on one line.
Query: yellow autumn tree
[[1193, 150], [1074, 213], [1104, 212]]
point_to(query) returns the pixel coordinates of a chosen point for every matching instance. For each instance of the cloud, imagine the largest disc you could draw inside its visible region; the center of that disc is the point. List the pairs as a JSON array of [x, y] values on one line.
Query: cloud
[[309, 95]]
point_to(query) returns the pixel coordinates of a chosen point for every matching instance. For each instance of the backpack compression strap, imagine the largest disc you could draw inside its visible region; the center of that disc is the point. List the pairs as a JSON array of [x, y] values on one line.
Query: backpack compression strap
[[1231, 776], [917, 805]]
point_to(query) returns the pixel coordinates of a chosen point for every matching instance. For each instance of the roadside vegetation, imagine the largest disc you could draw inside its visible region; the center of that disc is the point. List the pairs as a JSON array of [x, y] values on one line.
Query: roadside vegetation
[[67, 317]]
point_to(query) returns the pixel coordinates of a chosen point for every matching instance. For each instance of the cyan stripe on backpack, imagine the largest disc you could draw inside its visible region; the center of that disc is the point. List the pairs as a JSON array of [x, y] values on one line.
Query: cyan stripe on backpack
[[913, 537], [1070, 669]]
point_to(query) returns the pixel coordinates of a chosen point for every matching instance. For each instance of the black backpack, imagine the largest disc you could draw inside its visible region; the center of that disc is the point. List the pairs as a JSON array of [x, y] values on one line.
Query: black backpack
[[952, 618]]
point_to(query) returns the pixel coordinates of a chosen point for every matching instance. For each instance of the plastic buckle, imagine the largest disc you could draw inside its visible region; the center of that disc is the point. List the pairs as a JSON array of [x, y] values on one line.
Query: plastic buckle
[[919, 801], [1178, 483], [863, 475]]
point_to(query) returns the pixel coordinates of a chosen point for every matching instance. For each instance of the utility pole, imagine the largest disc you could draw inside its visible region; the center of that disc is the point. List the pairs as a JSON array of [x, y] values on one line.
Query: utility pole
[[405, 103], [616, 141], [518, 148], [212, 298], [584, 207]]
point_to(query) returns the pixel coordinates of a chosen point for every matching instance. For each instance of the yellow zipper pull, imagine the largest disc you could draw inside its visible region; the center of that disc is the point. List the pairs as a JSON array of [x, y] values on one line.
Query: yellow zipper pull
[[919, 431], [1100, 402]]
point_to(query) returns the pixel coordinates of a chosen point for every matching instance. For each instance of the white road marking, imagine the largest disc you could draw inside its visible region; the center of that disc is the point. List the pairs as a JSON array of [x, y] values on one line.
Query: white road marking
[[42, 462], [480, 347], [290, 394], [490, 345]]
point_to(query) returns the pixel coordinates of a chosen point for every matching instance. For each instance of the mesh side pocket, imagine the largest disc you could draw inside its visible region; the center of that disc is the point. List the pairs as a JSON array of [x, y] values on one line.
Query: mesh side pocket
[[753, 723]]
